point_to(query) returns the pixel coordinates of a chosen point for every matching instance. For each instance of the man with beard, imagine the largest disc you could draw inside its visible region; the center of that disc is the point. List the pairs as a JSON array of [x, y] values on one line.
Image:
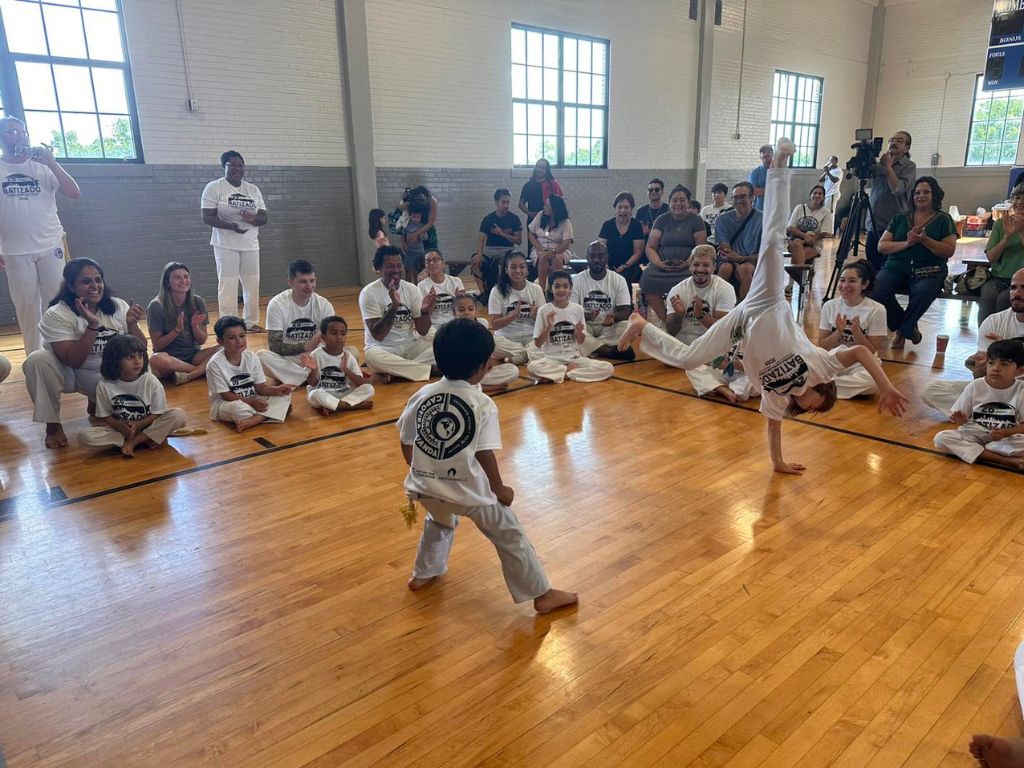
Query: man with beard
[[604, 296]]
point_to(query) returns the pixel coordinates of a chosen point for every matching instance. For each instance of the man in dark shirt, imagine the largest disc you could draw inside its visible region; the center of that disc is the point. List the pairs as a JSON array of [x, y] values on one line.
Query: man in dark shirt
[[648, 214]]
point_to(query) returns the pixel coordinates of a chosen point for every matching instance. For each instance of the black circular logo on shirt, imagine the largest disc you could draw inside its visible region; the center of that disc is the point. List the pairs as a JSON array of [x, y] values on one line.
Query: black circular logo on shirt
[[996, 415], [524, 309], [807, 224], [597, 301], [242, 384], [128, 407], [563, 332], [238, 200], [333, 378], [445, 425], [19, 185], [301, 329], [103, 335]]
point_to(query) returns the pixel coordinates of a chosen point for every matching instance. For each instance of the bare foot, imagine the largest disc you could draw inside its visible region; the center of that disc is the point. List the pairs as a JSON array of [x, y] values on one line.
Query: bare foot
[[55, 437], [417, 584], [728, 394], [363, 406], [633, 331], [993, 752], [382, 378], [325, 411], [554, 599], [252, 421], [128, 449]]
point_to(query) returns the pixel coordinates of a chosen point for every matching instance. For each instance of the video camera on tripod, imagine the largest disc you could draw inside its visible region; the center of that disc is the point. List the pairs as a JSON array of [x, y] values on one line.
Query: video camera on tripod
[[865, 162]]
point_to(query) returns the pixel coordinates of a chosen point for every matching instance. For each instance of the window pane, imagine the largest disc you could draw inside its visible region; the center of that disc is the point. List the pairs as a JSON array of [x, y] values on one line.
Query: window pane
[[519, 154], [82, 135], [600, 58], [1009, 154], [74, 89], [569, 86], [975, 154], [597, 123], [103, 5], [103, 34], [1011, 132], [551, 84], [550, 149], [570, 121], [24, 26], [535, 148], [550, 120], [64, 31], [117, 136], [584, 89], [597, 153], [534, 83], [518, 46], [44, 128], [599, 84], [583, 123], [534, 50], [584, 56], [62, 2], [535, 119], [518, 81], [551, 51], [36, 85], [519, 118], [569, 54]]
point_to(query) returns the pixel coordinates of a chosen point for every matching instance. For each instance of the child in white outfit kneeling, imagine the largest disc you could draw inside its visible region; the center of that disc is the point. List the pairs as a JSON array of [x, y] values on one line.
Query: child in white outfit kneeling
[[335, 381], [237, 387], [130, 401], [558, 332], [449, 432], [990, 411]]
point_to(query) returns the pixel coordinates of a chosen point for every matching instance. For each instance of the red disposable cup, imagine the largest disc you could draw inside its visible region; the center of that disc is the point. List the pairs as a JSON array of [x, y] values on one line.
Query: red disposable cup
[[941, 342]]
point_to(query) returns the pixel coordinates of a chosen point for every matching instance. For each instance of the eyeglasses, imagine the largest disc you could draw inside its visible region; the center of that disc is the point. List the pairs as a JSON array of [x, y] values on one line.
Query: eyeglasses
[[737, 198], [653, 189], [433, 260]]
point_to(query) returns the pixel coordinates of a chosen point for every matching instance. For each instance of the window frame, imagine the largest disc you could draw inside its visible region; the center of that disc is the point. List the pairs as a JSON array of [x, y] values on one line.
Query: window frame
[[560, 104], [790, 125], [13, 104], [990, 96]]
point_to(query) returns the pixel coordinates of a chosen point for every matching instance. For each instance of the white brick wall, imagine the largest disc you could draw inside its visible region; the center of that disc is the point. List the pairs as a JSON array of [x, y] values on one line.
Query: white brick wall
[[926, 43], [266, 73]]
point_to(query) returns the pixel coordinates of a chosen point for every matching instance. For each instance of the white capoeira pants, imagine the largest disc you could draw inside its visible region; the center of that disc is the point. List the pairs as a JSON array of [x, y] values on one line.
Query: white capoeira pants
[[855, 381], [520, 566], [47, 378], [500, 375], [323, 398], [234, 267], [599, 335], [105, 437], [705, 379], [287, 370], [516, 348], [584, 369], [5, 367], [33, 280], [411, 360], [970, 440], [942, 395], [236, 410]]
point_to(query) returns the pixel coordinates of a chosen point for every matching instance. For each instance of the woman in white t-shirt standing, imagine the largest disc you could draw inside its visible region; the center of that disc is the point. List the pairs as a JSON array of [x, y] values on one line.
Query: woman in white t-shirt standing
[[235, 210], [76, 328], [31, 235], [795, 375]]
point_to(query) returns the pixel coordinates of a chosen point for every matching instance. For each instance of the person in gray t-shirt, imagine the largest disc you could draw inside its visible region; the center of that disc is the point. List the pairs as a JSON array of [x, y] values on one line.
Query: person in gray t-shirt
[[177, 322], [738, 234], [890, 192]]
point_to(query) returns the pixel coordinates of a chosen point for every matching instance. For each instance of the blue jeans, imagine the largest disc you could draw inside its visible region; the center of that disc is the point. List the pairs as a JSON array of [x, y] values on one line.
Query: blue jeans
[[922, 292]]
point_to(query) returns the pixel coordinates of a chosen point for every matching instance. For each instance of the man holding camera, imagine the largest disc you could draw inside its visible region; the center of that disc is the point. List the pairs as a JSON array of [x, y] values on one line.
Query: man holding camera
[[890, 193], [831, 177]]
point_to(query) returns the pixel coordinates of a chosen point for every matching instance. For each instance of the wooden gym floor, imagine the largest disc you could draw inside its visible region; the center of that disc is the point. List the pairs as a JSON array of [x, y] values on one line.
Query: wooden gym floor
[[240, 600]]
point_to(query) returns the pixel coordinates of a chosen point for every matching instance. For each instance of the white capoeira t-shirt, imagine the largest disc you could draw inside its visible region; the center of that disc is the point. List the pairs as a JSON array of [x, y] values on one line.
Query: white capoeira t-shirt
[[230, 201], [561, 344], [869, 311], [1002, 325], [223, 376], [991, 408], [806, 219], [28, 209], [298, 324], [780, 357], [374, 301], [602, 296], [447, 423], [335, 371], [60, 323], [499, 306], [130, 400], [446, 290], [717, 295]]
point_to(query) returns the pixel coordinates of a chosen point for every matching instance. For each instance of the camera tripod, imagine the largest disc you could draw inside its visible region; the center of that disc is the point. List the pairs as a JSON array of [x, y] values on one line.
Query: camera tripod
[[851, 236]]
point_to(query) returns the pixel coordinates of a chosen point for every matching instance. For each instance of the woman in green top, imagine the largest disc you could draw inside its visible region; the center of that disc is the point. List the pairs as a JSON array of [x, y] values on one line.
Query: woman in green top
[[1005, 253], [918, 245]]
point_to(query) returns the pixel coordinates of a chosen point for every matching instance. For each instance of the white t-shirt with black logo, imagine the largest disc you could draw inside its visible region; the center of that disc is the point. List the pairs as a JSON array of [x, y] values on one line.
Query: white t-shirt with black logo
[[1003, 324], [374, 301], [130, 400], [807, 220], [60, 323], [230, 201], [870, 313], [561, 344], [991, 408], [783, 359], [499, 306], [447, 423], [299, 324], [717, 295], [241, 379], [602, 295], [711, 212], [334, 372], [446, 290], [28, 209]]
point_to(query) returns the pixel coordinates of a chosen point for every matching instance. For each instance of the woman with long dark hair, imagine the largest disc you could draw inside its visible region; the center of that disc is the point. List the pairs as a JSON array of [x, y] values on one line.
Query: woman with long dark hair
[[538, 189], [80, 320], [551, 237], [513, 306]]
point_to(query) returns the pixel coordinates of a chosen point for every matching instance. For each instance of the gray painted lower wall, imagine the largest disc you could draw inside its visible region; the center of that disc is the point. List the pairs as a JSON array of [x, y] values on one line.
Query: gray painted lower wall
[[134, 219]]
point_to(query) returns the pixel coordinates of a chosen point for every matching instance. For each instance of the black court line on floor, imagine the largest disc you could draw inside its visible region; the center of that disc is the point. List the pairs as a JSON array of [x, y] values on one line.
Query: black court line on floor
[[816, 424], [40, 498], [264, 442], [64, 501]]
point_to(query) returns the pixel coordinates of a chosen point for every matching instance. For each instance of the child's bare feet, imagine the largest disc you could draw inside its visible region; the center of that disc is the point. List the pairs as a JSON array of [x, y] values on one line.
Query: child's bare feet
[[382, 378], [554, 599], [55, 437], [728, 394], [252, 421], [325, 411], [417, 584], [993, 752], [633, 330]]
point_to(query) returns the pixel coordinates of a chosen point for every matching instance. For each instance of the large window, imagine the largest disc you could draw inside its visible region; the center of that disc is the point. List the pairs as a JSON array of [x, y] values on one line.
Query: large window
[[796, 113], [995, 126], [559, 98], [64, 67]]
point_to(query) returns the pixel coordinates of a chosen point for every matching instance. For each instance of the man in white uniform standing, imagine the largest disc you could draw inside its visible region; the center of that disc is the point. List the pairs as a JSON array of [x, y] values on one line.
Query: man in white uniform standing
[[31, 235]]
